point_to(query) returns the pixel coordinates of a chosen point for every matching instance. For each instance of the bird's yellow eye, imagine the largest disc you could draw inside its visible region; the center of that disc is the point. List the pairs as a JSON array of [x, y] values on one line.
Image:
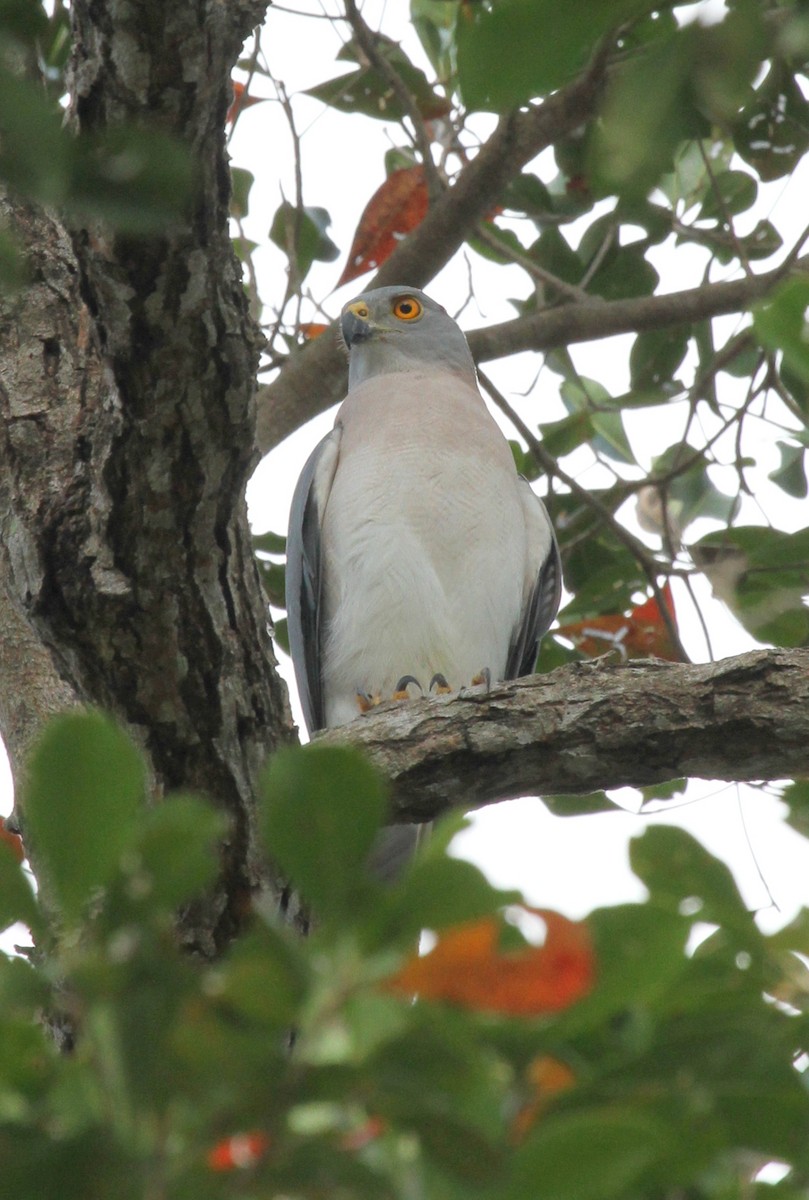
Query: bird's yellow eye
[[407, 308]]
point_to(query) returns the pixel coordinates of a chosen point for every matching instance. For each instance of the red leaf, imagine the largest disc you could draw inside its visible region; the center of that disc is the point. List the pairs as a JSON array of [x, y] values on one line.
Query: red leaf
[[358, 1139], [241, 100], [240, 1150], [466, 967], [395, 209], [311, 330], [546, 1077], [642, 633], [13, 841]]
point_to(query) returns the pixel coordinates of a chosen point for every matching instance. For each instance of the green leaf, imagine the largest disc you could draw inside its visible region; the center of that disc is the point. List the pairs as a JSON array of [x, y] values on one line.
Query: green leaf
[[791, 474], [796, 796], [562, 437], [771, 132], [610, 437], [527, 194], [552, 251], [648, 111], [624, 272], [578, 806], [506, 238], [732, 192], [437, 891], [781, 324], [690, 492], [164, 877], [322, 809], [301, 234], [84, 789], [367, 91], [655, 356], [17, 900], [281, 634], [500, 60], [640, 953], [269, 542], [798, 387], [672, 789], [273, 577], [594, 1154], [762, 574], [263, 979], [434, 22], [679, 871], [241, 182]]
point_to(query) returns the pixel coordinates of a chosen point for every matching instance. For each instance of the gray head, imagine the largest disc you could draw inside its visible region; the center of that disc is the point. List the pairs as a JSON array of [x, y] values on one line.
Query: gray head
[[401, 329]]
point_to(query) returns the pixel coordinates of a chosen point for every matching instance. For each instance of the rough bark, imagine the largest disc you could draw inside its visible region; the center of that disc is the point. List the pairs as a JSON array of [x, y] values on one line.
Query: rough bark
[[591, 726], [128, 436]]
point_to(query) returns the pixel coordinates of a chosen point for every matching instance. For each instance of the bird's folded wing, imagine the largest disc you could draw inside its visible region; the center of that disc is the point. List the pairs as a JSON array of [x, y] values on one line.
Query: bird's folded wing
[[304, 582], [543, 586]]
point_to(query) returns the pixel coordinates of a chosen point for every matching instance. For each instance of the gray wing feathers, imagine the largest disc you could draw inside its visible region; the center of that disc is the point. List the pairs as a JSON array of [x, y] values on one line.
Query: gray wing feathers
[[304, 575], [542, 605]]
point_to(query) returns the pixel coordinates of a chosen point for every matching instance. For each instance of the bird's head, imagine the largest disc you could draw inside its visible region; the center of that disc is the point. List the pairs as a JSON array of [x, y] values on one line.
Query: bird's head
[[400, 329]]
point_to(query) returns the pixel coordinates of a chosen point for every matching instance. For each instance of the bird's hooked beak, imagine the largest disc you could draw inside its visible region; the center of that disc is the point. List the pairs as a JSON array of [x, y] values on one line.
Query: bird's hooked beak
[[356, 323]]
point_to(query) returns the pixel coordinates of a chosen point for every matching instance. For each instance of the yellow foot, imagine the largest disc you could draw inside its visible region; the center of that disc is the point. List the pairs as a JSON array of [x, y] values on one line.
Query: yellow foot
[[439, 685], [483, 678], [365, 702], [400, 692]]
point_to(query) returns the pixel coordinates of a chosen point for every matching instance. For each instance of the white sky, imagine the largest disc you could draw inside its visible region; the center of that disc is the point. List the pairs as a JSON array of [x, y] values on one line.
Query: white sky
[[572, 864]]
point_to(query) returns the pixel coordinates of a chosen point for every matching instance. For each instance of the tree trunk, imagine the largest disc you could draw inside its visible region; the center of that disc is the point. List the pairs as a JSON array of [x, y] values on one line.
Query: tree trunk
[[128, 375]]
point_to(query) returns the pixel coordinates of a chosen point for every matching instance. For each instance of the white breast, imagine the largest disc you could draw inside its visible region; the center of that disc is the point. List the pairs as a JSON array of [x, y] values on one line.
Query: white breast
[[425, 543]]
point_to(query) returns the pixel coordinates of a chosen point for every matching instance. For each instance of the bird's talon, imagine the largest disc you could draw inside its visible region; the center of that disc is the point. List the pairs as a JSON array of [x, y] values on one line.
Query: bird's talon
[[483, 678], [365, 702], [439, 685], [400, 692]]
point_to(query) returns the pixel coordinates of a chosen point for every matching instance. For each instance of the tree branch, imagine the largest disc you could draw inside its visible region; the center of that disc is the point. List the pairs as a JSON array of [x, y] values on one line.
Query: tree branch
[[299, 392], [571, 323], [591, 726]]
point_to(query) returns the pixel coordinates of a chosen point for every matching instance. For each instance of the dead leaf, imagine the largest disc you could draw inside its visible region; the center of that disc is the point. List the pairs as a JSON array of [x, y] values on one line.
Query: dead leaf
[[394, 210], [13, 841], [241, 100], [310, 330], [238, 1151], [642, 633], [467, 967], [545, 1077]]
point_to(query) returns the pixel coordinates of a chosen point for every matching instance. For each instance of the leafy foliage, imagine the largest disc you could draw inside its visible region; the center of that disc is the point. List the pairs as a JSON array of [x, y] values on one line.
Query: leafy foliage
[[693, 121], [630, 1064]]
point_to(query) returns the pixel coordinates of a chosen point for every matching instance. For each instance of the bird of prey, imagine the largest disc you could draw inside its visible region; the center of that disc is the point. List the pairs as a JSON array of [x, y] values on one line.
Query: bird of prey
[[417, 557]]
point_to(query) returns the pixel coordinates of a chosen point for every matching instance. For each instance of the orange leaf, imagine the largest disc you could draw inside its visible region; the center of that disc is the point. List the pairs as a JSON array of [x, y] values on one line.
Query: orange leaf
[[241, 100], [357, 1139], [466, 967], [642, 633], [13, 841], [311, 330], [395, 209], [546, 1078], [240, 1150]]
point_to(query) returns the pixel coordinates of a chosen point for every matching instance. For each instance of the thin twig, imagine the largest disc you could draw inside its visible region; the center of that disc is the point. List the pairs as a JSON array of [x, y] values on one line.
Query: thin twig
[[538, 273], [648, 564], [367, 40]]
